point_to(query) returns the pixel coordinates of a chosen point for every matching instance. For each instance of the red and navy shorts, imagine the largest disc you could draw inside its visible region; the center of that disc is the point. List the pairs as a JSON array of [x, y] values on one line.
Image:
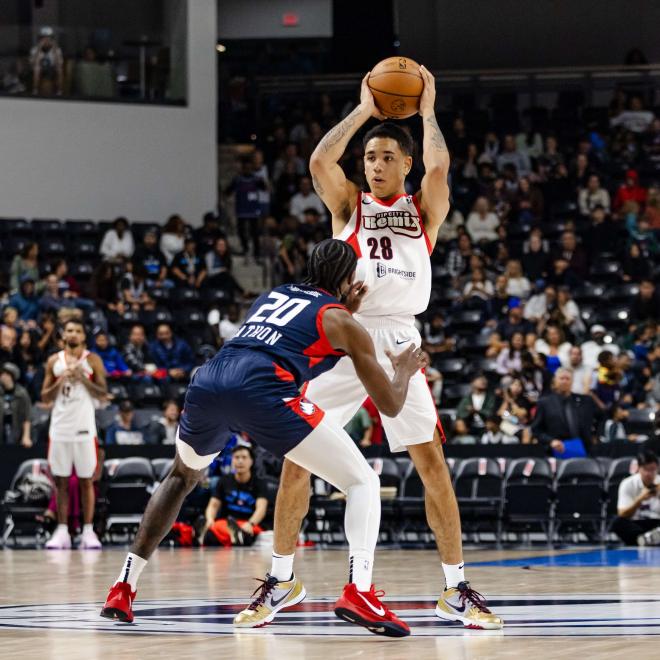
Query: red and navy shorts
[[244, 390]]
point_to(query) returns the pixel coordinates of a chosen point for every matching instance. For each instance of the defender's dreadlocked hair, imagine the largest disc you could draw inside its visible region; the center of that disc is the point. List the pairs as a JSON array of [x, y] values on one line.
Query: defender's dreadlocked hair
[[330, 263]]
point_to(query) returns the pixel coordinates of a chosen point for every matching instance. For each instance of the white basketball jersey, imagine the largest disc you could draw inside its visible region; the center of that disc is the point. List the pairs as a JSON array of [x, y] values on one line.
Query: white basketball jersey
[[72, 418], [393, 252]]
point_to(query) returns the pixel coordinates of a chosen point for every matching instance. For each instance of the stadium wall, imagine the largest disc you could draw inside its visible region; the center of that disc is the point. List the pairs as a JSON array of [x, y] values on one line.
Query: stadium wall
[[67, 159]]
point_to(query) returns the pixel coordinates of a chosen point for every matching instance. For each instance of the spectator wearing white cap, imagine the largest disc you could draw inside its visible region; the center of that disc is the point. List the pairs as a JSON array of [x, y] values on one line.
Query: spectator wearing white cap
[[599, 342]]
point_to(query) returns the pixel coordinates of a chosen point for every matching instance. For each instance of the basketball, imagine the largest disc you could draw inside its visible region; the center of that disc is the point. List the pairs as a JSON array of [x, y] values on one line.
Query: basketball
[[396, 84]]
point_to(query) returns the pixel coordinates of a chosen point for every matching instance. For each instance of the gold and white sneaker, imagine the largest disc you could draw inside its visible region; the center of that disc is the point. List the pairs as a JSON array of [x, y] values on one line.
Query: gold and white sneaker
[[271, 597], [468, 606]]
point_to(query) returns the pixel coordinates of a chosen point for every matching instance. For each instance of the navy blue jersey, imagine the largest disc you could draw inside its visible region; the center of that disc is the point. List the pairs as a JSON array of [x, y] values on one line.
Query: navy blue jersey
[[286, 324]]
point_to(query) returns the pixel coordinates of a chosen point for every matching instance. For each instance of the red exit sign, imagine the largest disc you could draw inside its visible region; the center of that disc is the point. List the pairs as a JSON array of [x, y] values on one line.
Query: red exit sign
[[290, 19]]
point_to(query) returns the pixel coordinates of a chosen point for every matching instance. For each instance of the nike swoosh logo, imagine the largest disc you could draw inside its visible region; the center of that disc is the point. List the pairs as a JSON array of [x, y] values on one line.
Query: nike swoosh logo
[[458, 609], [404, 341], [380, 611], [277, 602]]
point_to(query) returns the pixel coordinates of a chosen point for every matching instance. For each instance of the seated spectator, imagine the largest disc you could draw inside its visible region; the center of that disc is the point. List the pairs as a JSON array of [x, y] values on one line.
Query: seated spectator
[[26, 301], [629, 191], [24, 264], [435, 339], [224, 326], [645, 305], [561, 274], [15, 425], [533, 376], [567, 313], [638, 504], [539, 307], [124, 429], [238, 505], [461, 434], [513, 412], [172, 237], [10, 318], [104, 287], [482, 223], [114, 364], [508, 360], [606, 387], [536, 257], [218, 264], [210, 231], [171, 353], [639, 230], [592, 348], [652, 211], [187, 267], [635, 119], [493, 435], [582, 373], [449, 228], [458, 258], [592, 196], [528, 201], [360, 428], [478, 290], [511, 156], [602, 235], [433, 379], [563, 416], [514, 323], [572, 253], [51, 300], [163, 430], [68, 285], [133, 289], [136, 353], [8, 345], [518, 285], [554, 346], [305, 199], [636, 266], [615, 431], [148, 256], [31, 362], [499, 303], [477, 406], [117, 242]]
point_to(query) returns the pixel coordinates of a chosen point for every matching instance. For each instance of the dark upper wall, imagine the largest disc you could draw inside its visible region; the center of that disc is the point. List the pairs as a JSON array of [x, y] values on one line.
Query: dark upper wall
[[466, 34]]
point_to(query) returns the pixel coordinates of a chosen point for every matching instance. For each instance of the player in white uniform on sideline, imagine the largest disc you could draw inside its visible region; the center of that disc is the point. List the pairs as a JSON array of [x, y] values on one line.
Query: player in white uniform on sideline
[[393, 235], [74, 378]]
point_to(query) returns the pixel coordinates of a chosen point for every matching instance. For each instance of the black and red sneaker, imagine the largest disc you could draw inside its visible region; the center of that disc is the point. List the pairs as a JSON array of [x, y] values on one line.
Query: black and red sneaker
[[119, 603], [365, 609]]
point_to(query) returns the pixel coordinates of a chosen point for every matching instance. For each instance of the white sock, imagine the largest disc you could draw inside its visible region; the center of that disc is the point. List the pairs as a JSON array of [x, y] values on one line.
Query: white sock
[[360, 568], [131, 570], [282, 567], [454, 573], [62, 528], [87, 528]]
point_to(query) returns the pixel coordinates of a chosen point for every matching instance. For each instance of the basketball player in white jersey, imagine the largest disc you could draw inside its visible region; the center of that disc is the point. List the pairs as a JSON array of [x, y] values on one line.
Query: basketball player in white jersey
[[74, 378], [393, 234]]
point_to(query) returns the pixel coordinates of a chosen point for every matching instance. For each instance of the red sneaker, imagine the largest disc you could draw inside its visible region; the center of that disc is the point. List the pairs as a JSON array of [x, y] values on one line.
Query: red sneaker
[[118, 604], [365, 609]]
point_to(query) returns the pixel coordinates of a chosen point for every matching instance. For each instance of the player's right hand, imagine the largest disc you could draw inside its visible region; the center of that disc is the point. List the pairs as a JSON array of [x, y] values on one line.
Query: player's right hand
[[409, 361], [355, 296], [367, 100]]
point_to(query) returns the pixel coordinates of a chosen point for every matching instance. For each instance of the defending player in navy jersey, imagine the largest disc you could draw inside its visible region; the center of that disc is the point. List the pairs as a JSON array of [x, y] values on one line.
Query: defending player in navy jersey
[[393, 234], [291, 335]]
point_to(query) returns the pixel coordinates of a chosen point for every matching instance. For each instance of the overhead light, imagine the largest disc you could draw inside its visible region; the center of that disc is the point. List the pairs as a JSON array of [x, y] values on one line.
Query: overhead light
[[221, 48]]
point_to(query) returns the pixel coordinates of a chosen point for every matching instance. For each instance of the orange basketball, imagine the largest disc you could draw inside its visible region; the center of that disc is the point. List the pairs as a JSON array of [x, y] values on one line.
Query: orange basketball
[[396, 84]]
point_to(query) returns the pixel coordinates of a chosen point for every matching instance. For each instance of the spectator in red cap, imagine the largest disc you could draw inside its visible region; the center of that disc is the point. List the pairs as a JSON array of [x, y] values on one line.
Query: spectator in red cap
[[630, 191]]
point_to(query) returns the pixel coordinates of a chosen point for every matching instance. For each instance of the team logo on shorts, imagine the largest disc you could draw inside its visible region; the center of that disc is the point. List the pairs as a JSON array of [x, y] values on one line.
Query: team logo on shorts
[[525, 615]]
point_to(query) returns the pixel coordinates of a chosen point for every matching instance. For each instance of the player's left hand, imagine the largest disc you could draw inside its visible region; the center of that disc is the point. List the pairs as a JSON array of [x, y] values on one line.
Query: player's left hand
[[427, 99], [355, 296]]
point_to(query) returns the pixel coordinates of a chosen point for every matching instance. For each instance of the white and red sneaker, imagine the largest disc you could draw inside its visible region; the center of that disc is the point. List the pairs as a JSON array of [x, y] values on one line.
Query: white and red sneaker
[[119, 603], [365, 609]]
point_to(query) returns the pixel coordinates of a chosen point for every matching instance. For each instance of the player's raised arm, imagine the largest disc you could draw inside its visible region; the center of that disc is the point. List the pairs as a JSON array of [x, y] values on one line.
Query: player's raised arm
[[337, 192], [349, 336], [434, 196]]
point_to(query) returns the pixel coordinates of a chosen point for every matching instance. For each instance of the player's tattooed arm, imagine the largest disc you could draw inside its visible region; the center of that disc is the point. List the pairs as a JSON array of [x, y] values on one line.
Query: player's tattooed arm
[[336, 140], [320, 190], [436, 137]]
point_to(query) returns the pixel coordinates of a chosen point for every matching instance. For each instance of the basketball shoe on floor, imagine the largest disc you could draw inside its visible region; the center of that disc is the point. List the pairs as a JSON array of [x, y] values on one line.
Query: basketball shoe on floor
[[649, 538], [119, 603], [271, 597], [89, 541], [365, 609], [60, 540], [468, 606]]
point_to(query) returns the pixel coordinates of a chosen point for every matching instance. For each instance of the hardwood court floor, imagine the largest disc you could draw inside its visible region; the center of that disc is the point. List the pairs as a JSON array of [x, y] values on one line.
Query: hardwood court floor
[[574, 602]]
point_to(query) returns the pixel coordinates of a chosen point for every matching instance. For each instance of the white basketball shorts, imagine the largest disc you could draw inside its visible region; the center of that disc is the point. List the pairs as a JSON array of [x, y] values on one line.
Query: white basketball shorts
[[340, 393], [64, 456]]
